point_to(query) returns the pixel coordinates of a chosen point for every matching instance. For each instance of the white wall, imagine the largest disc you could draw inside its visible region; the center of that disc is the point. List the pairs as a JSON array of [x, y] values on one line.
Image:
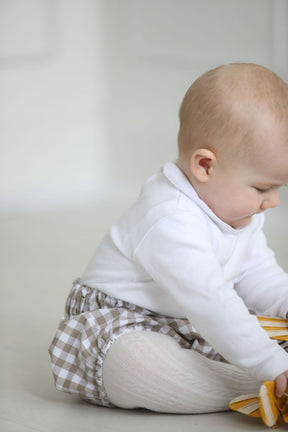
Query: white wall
[[53, 92], [90, 89]]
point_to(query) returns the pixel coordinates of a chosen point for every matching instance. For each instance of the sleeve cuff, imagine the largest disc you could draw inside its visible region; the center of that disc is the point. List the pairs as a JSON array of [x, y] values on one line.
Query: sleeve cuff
[[273, 366]]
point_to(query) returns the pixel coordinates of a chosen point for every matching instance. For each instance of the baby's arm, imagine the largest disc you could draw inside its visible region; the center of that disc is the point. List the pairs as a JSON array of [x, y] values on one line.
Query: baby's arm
[[263, 284], [183, 263]]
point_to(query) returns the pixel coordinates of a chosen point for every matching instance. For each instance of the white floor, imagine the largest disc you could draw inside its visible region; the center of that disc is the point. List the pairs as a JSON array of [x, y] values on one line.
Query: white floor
[[42, 253]]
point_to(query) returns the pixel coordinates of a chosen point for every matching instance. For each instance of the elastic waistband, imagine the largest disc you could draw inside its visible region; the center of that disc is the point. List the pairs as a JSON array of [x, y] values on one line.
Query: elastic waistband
[[83, 298]]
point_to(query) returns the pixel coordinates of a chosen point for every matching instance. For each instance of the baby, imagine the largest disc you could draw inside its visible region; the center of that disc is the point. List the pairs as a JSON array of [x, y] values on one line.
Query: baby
[[164, 317]]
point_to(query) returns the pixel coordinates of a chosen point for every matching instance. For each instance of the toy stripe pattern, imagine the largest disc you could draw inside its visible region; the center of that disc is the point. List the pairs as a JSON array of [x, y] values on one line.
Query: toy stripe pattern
[[92, 321], [247, 404], [273, 411], [276, 328]]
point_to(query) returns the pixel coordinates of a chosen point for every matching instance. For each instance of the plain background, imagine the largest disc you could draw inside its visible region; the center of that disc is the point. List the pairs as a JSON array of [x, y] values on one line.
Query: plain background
[[89, 99]]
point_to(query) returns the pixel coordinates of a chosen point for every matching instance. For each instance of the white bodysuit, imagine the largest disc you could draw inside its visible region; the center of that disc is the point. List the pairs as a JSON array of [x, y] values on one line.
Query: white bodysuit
[[171, 254]]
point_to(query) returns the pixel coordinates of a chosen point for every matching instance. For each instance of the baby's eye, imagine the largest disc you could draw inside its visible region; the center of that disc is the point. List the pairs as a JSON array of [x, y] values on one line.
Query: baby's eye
[[262, 190]]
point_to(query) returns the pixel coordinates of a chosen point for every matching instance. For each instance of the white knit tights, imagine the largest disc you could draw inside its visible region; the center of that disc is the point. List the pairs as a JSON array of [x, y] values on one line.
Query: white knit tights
[[150, 370]]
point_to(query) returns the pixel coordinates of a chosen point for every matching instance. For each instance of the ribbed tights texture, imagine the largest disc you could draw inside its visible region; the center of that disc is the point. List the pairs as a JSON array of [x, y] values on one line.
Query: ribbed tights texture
[[150, 370]]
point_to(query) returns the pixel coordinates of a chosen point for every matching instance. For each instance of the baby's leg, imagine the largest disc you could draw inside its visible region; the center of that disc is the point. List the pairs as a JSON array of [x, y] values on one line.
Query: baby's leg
[[150, 370]]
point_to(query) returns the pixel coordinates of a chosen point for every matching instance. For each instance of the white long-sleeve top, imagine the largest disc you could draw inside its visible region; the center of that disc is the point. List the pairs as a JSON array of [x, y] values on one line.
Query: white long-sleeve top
[[170, 253]]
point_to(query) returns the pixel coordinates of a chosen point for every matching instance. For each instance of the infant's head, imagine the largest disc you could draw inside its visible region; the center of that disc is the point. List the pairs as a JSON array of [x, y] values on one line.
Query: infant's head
[[224, 106], [234, 129]]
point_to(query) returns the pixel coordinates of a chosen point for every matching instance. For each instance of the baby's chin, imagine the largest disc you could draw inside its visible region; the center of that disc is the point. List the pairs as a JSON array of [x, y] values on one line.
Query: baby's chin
[[241, 223]]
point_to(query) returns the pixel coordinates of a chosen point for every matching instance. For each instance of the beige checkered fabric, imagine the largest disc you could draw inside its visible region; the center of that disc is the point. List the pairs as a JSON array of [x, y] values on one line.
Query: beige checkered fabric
[[92, 321]]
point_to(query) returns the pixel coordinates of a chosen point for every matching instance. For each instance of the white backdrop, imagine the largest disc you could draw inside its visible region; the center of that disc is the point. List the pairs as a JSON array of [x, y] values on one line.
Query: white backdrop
[[90, 89]]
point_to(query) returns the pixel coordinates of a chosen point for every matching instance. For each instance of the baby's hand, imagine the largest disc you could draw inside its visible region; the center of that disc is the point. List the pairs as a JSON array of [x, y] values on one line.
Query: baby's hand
[[281, 383]]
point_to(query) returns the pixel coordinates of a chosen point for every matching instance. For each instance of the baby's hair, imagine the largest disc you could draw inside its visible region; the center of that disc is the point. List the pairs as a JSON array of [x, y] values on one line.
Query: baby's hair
[[221, 106]]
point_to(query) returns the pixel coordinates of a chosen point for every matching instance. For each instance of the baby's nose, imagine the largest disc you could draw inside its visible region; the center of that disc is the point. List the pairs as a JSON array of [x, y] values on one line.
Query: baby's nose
[[271, 201]]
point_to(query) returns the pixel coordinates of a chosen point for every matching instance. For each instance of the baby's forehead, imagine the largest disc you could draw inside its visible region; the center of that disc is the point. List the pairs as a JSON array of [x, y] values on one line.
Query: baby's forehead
[[258, 136], [268, 141]]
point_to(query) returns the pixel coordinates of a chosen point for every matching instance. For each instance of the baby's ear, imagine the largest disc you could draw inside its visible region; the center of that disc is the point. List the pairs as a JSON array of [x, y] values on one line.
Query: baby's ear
[[202, 163]]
